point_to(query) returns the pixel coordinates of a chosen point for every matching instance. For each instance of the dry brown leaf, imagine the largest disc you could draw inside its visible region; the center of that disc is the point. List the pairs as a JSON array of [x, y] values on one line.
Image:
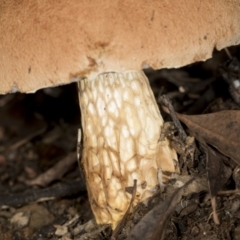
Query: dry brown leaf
[[220, 129], [153, 224]]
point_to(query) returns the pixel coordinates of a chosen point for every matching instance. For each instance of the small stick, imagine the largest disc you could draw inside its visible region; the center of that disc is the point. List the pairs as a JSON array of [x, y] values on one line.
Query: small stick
[[164, 100], [56, 172], [39, 195], [229, 192], [22, 142]]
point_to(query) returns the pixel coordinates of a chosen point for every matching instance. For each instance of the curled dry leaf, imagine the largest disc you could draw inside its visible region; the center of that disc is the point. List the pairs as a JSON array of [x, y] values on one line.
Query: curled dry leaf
[[220, 129]]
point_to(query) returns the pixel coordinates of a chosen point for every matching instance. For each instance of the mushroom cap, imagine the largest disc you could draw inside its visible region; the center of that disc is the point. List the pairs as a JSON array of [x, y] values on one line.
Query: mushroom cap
[[46, 43]]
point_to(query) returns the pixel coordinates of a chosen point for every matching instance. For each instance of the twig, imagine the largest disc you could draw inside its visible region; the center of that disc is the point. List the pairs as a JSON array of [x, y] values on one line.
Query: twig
[[165, 101], [56, 172], [229, 192], [22, 142], [37, 195]]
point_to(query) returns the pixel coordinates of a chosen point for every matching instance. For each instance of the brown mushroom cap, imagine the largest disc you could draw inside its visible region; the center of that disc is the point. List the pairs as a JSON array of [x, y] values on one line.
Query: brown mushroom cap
[[45, 43]]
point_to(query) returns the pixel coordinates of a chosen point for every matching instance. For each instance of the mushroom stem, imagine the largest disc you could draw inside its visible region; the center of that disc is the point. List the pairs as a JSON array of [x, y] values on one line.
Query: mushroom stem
[[121, 124]]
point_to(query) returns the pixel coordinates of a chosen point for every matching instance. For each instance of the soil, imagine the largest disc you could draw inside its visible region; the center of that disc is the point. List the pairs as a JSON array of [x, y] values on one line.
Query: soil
[[39, 132]]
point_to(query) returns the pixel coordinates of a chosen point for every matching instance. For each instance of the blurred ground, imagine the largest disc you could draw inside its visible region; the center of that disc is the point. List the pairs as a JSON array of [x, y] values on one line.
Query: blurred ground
[[39, 130]]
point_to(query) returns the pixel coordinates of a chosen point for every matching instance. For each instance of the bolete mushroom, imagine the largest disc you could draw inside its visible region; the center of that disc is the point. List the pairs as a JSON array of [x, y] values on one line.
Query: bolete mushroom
[[106, 44]]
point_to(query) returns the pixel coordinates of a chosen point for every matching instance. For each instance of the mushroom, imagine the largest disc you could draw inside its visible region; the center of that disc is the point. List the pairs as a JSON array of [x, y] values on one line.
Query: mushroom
[[105, 45]]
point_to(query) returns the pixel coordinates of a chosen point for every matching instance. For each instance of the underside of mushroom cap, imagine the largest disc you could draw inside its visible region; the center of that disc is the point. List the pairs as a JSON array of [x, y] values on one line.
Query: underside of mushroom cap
[[47, 43]]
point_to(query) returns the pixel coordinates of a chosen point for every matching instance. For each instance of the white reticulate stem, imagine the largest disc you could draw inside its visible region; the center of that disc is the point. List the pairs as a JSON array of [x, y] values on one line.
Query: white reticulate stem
[[121, 126]]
